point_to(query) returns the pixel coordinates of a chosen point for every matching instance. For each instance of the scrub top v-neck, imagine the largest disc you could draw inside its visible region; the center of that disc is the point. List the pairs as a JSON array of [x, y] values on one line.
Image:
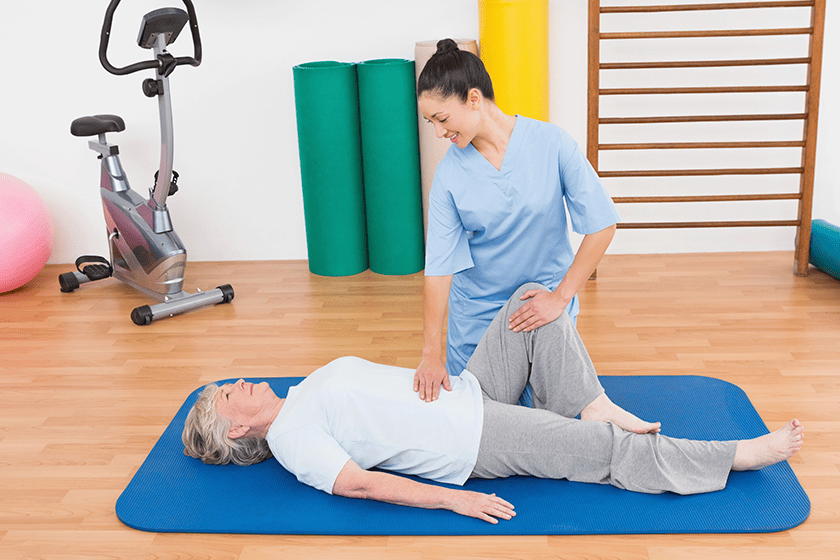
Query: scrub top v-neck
[[496, 229]]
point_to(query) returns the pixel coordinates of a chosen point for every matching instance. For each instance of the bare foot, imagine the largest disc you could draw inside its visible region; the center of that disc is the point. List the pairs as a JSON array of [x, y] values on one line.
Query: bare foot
[[754, 454], [602, 409]]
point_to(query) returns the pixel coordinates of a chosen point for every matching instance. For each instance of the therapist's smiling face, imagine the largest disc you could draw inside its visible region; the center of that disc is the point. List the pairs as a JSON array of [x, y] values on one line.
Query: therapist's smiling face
[[453, 119]]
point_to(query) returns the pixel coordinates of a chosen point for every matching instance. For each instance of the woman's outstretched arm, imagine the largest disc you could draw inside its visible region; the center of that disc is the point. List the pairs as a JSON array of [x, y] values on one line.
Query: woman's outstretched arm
[[355, 482]]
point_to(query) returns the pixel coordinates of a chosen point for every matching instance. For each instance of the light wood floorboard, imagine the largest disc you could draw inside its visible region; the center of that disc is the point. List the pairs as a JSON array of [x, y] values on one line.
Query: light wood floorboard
[[84, 393]]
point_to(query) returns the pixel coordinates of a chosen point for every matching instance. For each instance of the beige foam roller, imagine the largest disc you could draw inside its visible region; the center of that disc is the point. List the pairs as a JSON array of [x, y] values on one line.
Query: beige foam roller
[[432, 148]]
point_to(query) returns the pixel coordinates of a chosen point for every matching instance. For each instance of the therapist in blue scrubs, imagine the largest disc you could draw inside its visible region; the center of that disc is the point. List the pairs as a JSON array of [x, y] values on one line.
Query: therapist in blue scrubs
[[497, 216]]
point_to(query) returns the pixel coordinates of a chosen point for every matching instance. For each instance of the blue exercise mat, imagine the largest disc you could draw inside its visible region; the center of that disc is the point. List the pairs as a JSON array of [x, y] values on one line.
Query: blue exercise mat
[[175, 493]]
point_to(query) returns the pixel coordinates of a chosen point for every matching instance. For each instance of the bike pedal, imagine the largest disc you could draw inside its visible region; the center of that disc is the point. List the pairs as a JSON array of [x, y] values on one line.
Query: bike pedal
[[95, 268], [96, 271]]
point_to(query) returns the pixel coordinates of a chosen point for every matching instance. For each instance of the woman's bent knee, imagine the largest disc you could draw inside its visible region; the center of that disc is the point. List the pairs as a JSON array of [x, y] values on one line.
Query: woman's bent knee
[[517, 295]]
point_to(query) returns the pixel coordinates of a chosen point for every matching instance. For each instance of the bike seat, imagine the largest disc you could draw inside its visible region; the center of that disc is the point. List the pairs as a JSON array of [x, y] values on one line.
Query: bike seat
[[96, 125]]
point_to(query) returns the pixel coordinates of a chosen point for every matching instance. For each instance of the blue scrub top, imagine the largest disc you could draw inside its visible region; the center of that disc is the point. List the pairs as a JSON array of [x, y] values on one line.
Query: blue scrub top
[[495, 230]]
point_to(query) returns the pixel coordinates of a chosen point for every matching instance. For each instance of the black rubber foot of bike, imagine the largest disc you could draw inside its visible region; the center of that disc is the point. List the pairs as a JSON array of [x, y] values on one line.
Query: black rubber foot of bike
[[68, 282], [227, 293], [141, 315]]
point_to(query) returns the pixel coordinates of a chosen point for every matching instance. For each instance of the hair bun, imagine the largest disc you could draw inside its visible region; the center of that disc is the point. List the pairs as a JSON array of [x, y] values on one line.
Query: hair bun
[[445, 46]]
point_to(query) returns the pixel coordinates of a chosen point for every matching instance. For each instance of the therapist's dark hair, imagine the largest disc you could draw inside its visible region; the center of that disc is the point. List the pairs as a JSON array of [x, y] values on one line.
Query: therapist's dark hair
[[451, 71]]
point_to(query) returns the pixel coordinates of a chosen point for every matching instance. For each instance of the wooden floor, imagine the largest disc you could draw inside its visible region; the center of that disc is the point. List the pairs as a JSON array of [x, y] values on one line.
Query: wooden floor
[[84, 393]]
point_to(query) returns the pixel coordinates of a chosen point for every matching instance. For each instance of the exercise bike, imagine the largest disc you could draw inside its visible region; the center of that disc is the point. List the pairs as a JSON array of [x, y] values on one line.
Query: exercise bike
[[146, 253]]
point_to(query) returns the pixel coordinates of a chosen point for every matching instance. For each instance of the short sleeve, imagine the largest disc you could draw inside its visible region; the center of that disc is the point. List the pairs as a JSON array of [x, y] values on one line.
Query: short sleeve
[[590, 207], [312, 455], [447, 244]]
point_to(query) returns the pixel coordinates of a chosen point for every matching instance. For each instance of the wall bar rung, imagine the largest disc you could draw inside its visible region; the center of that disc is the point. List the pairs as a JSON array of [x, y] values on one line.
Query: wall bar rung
[[701, 172], [707, 33], [702, 63], [702, 118], [705, 198], [703, 90], [676, 225], [702, 145], [703, 7]]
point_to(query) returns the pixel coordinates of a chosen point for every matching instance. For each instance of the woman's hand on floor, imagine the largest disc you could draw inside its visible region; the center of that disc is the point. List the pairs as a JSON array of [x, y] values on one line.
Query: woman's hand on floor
[[487, 507]]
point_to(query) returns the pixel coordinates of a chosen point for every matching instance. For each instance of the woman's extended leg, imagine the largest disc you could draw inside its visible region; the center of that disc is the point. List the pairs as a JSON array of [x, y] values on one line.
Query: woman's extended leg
[[529, 442], [523, 441], [754, 454]]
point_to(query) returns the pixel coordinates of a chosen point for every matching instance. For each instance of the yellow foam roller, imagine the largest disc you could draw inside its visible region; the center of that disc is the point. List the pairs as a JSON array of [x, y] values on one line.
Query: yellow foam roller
[[514, 49]]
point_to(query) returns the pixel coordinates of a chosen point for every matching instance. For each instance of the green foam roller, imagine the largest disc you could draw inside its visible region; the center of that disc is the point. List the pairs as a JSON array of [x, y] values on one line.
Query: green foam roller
[[327, 108], [825, 247], [391, 161]]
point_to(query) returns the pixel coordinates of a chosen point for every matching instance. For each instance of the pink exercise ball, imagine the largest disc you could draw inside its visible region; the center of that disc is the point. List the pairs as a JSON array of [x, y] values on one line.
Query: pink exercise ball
[[26, 233]]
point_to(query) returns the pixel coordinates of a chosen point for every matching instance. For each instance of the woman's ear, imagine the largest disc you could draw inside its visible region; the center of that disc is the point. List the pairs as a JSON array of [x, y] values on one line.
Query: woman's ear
[[237, 431], [474, 98]]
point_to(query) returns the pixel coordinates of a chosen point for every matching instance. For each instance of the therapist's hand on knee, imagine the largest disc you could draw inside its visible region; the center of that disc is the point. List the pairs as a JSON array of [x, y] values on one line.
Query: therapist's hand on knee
[[542, 308], [431, 374]]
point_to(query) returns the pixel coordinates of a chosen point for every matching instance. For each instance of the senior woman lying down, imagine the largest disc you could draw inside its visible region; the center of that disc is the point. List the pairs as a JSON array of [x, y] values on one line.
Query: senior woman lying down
[[352, 415]]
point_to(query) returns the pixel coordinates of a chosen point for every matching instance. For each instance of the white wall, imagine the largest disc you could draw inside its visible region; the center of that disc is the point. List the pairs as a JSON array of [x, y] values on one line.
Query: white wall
[[236, 141]]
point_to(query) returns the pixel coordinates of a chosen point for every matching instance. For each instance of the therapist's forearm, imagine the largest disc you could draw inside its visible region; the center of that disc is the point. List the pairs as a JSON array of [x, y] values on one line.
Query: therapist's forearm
[[435, 298], [588, 256]]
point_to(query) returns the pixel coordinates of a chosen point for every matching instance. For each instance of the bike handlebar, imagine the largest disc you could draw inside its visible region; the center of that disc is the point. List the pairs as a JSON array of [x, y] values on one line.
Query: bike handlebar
[[194, 60]]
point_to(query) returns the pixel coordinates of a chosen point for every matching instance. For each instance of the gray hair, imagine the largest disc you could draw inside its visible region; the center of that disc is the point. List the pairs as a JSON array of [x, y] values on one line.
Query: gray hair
[[205, 436]]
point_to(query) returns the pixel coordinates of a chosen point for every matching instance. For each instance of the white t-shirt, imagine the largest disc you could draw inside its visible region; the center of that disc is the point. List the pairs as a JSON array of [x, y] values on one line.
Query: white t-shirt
[[355, 409]]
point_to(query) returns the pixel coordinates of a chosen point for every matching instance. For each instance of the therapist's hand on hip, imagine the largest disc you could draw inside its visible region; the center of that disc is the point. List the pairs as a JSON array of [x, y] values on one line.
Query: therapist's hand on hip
[[431, 374], [543, 308]]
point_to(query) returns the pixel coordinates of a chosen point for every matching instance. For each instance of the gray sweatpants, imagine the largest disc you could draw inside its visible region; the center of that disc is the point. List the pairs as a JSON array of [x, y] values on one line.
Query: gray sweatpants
[[548, 442]]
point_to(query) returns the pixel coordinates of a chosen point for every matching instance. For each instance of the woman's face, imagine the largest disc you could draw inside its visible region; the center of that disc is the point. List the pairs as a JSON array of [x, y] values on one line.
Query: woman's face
[[242, 402], [452, 118]]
